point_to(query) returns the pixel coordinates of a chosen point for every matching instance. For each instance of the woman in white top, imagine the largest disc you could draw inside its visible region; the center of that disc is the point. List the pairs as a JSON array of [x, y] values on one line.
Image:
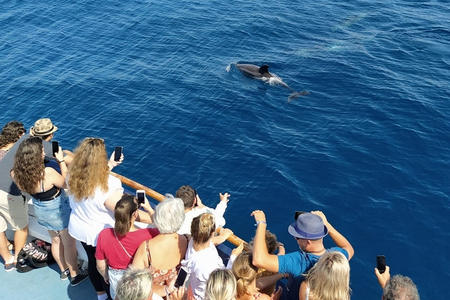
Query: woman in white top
[[202, 257], [93, 193], [328, 279]]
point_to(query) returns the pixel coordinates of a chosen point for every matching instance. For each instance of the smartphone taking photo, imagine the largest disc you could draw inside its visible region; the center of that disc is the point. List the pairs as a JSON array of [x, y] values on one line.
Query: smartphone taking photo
[[381, 263], [55, 147], [181, 278], [140, 195], [117, 153]]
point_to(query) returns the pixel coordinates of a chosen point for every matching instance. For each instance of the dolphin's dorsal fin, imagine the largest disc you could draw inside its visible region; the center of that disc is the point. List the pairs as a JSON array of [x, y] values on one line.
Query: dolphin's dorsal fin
[[264, 69]]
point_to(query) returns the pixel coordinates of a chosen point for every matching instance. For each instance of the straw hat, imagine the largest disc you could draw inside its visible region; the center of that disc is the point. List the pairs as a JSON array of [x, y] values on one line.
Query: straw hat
[[43, 127]]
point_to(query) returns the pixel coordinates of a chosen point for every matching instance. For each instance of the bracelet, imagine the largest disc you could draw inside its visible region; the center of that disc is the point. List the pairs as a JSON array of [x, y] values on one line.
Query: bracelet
[[61, 161], [260, 222]]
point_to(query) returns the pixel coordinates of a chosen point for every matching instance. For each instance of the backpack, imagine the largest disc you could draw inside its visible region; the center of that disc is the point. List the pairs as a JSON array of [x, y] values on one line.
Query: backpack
[[35, 254]]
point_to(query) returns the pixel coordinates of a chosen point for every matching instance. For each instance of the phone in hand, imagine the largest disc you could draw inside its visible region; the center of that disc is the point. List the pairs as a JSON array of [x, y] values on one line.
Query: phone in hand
[[140, 195], [55, 147], [181, 278], [117, 153], [381, 263]]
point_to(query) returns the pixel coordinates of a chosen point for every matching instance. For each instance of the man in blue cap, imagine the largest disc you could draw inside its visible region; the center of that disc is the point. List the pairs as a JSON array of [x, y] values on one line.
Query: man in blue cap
[[309, 229]]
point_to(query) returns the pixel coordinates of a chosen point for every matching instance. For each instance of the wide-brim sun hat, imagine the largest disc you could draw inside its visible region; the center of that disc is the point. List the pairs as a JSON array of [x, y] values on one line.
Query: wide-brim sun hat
[[43, 127], [308, 226]]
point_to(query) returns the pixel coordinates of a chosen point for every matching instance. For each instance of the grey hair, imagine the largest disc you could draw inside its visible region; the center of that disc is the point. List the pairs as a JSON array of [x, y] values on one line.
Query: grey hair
[[135, 284], [221, 285], [400, 287], [169, 214]]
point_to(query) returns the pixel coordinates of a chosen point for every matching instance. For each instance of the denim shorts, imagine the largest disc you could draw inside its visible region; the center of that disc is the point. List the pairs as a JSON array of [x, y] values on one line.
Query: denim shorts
[[53, 214]]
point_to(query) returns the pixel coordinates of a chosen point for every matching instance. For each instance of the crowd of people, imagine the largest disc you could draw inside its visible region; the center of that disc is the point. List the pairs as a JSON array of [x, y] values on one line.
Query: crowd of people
[[75, 197]]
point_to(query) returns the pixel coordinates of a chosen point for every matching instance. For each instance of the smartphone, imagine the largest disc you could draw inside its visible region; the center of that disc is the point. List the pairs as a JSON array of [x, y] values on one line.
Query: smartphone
[[381, 263], [117, 153], [181, 278], [140, 195], [55, 147]]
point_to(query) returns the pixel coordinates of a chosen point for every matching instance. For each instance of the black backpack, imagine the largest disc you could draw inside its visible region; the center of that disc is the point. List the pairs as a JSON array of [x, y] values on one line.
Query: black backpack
[[35, 254]]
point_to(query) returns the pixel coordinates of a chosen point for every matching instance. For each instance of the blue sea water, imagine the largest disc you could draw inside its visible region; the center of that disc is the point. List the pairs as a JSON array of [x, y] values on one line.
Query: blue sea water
[[369, 146]]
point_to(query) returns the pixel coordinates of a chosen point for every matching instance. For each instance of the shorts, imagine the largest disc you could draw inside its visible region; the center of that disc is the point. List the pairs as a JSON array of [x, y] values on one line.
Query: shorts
[[53, 214], [13, 211]]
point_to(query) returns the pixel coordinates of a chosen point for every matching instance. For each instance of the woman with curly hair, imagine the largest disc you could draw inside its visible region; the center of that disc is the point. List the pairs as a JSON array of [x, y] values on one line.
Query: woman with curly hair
[[93, 194], [328, 279], [38, 177], [10, 134]]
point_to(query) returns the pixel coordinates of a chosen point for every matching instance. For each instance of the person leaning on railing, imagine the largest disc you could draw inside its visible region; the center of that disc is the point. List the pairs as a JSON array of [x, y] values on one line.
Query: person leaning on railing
[[116, 246], [309, 229], [202, 257], [93, 194], [45, 182]]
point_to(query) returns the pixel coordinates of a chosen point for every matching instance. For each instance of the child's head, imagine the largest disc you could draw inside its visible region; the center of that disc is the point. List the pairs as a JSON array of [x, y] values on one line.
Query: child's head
[[202, 228]]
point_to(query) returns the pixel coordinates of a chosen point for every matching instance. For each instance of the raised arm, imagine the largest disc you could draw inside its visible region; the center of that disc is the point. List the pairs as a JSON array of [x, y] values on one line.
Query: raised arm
[[224, 233], [146, 215], [261, 257], [338, 238]]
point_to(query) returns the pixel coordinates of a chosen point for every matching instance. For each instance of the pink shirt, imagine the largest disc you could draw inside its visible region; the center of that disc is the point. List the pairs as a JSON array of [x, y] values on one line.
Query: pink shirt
[[110, 249]]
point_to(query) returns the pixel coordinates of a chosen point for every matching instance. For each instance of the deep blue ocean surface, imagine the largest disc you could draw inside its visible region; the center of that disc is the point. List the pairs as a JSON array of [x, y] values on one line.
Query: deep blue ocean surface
[[369, 146]]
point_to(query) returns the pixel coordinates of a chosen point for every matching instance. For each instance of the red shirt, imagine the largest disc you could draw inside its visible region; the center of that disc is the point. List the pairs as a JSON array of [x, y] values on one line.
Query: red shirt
[[109, 248]]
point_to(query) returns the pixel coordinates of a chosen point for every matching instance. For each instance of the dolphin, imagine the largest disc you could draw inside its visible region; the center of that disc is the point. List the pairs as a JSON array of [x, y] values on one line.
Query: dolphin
[[262, 73]]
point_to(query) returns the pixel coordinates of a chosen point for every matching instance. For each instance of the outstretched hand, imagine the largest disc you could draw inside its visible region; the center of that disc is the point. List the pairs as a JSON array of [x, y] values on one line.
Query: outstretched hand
[[146, 205], [321, 215], [259, 215], [224, 197], [383, 278], [112, 163], [238, 250]]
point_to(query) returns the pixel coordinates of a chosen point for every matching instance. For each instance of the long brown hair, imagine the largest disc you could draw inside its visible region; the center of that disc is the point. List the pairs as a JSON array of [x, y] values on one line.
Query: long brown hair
[[89, 169], [29, 164], [123, 212]]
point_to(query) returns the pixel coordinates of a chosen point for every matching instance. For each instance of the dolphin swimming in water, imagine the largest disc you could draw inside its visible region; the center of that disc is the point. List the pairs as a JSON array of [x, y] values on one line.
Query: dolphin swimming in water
[[263, 74]]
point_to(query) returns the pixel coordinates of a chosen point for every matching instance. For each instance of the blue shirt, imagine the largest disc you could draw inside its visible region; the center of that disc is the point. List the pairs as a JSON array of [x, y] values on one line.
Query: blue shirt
[[298, 263]]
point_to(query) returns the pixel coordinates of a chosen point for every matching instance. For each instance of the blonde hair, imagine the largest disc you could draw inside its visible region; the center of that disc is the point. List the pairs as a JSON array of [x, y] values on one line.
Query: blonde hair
[[89, 169], [202, 228], [329, 278], [221, 285], [245, 273]]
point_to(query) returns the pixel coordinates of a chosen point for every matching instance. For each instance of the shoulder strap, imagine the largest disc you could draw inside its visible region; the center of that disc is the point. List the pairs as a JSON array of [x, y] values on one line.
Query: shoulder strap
[[149, 256], [125, 250]]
